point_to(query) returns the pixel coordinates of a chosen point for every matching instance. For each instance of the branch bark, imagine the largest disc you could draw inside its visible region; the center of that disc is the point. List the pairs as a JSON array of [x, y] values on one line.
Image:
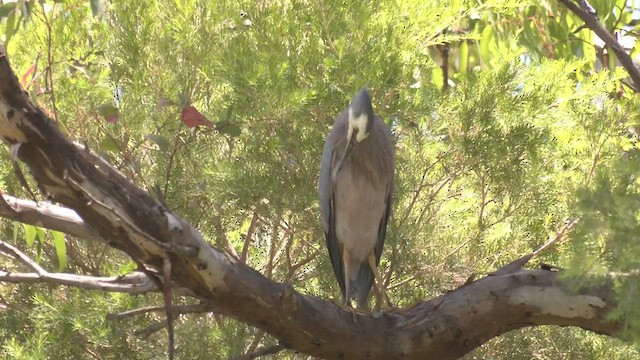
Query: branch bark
[[135, 283], [588, 15], [47, 215], [127, 218]]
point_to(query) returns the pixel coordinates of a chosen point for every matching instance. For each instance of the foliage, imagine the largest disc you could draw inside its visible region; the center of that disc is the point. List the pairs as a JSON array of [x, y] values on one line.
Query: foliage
[[221, 110]]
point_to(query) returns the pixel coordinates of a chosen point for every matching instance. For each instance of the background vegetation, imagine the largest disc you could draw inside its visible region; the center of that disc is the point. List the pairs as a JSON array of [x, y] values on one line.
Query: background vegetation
[[510, 119]]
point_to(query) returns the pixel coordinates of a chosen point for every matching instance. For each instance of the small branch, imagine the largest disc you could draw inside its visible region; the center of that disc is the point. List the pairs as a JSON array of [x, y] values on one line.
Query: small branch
[[48, 216], [588, 15], [135, 283], [154, 328], [177, 309], [257, 338], [168, 304], [260, 352], [568, 226], [22, 257], [518, 264], [49, 69], [247, 239]]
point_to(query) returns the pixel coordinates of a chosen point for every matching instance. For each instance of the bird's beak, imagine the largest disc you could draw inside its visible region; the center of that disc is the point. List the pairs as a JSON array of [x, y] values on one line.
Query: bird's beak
[[347, 151]]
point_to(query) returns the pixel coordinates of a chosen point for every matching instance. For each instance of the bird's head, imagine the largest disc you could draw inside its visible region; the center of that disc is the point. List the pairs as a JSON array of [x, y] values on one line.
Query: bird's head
[[360, 116], [360, 113]]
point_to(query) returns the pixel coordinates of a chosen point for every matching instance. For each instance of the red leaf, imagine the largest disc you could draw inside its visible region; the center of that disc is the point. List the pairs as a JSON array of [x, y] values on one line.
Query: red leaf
[[39, 90], [30, 70], [111, 119], [110, 113], [193, 118]]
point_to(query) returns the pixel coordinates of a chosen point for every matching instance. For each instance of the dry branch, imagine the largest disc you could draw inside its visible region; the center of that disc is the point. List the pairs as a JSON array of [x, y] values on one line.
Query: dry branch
[[135, 283], [590, 18], [46, 215]]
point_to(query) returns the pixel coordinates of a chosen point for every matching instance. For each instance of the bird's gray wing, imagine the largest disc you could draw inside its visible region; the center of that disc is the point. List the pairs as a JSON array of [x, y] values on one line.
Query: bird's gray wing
[[330, 157], [382, 230]]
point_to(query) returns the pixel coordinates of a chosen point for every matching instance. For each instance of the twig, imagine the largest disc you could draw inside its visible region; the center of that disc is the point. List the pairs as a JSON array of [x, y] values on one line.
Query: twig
[[22, 257], [517, 264], [255, 342], [588, 15], [135, 283], [168, 297], [153, 328], [568, 226], [50, 60], [47, 215], [247, 239], [177, 309], [260, 352]]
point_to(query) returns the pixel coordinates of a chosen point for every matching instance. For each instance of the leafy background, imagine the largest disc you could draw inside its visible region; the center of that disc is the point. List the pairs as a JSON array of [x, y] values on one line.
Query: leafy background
[[220, 110]]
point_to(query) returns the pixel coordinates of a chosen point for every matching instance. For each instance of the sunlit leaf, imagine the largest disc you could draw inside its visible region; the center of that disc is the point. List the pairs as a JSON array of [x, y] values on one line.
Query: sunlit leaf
[[61, 249], [464, 56], [485, 42], [159, 140], [110, 144], [29, 234], [11, 25], [41, 234], [16, 229], [6, 9]]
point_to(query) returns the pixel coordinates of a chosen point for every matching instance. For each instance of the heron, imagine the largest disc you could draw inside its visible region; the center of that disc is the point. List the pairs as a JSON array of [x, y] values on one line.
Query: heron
[[355, 190]]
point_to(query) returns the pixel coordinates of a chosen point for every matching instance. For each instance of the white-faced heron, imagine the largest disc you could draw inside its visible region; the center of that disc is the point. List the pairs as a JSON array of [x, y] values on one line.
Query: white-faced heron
[[356, 186]]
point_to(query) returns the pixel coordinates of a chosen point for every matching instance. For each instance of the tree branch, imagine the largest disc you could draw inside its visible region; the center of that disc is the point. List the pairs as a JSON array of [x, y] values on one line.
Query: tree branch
[[135, 283], [22, 257], [177, 309], [446, 327], [588, 15], [48, 216]]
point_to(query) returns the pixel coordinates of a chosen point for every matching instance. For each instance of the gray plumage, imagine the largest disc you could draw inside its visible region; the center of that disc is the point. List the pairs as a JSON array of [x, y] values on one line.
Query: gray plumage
[[355, 195]]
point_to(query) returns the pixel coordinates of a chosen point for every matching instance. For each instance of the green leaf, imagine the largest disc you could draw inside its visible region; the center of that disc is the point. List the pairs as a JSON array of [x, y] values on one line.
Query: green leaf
[[6, 9], [16, 228], [464, 56], [226, 127], [29, 234], [110, 144], [485, 42], [40, 233], [437, 77], [109, 112], [159, 140], [61, 249], [11, 24]]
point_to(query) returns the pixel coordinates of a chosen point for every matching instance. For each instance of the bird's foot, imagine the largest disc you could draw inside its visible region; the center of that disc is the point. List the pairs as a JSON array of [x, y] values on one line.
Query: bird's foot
[[355, 312]]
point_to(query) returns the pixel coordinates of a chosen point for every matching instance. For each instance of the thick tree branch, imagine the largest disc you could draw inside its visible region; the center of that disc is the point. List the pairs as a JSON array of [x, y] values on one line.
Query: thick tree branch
[[588, 15], [127, 218]]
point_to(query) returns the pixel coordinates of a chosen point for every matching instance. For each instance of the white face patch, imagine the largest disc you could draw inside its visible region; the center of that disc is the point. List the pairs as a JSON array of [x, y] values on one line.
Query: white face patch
[[359, 123]]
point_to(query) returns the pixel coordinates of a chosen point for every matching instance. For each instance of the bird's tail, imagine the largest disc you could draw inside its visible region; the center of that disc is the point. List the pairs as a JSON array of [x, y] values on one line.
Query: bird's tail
[[361, 284]]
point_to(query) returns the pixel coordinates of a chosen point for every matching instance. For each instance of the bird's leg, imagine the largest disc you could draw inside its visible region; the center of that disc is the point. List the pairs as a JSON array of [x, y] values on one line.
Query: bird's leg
[[346, 259], [381, 295]]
